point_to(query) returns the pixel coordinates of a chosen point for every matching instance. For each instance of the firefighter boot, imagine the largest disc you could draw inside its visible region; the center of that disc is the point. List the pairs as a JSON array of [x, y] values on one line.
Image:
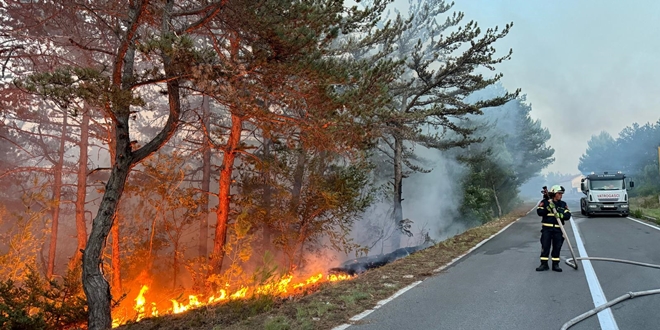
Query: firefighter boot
[[544, 266], [555, 266]]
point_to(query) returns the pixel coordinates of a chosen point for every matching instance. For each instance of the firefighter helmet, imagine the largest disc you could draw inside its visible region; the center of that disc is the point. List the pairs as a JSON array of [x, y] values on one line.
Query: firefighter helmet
[[557, 189]]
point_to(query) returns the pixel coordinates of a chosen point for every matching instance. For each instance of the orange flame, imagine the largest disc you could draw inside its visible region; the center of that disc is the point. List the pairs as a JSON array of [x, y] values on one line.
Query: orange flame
[[281, 287], [335, 278], [139, 303]]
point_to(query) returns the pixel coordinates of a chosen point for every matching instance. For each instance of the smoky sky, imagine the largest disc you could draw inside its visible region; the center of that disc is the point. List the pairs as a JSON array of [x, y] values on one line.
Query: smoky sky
[[586, 66]]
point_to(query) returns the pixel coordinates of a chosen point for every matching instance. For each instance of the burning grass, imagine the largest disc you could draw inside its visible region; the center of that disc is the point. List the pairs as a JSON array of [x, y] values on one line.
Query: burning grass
[[324, 305], [148, 306]]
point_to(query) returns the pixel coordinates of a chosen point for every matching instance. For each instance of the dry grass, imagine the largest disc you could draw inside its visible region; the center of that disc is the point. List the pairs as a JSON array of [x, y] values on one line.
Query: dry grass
[[647, 208], [330, 304]]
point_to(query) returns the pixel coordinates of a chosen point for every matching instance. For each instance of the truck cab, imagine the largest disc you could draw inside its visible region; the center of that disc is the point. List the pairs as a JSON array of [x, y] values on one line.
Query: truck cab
[[605, 194]]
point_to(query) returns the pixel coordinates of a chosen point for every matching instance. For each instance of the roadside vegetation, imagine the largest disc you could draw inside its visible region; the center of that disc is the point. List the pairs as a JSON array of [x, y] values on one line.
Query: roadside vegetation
[[332, 304], [647, 208], [177, 154]]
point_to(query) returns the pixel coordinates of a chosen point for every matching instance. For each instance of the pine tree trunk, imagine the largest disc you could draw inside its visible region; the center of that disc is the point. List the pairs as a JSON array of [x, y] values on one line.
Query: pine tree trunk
[[206, 181], [97, 289], [398, 191], [266, 201], [175, 263], [224, 196], [81, 191], [116, 258], [115, 262], [57, 193], [95, 286], [497, 202], [298, 178]]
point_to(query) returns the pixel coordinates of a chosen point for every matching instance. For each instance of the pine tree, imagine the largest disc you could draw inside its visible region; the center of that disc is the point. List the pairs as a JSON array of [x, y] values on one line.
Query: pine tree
[[444, 64]]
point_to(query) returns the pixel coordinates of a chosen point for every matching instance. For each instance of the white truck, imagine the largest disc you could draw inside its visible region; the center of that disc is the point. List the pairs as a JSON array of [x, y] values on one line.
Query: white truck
[[605, 194]]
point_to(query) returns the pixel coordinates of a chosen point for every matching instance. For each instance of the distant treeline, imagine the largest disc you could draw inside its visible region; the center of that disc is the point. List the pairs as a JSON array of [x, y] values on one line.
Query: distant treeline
[[634, 152]]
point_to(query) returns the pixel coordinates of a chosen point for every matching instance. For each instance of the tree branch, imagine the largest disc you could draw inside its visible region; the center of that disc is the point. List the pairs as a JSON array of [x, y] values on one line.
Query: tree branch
[[77, 44]]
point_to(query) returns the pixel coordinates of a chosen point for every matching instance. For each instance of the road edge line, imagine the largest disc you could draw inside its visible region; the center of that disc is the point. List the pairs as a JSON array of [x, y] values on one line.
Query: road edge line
[[644, 223], [378, 305], [605, 317], [414, 284]]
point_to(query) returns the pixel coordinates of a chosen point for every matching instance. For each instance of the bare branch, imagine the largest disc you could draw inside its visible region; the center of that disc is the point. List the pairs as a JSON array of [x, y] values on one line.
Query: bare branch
[[75, 43]]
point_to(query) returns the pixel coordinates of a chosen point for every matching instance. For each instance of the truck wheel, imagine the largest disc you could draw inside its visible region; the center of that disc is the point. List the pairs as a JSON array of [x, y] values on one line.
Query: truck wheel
[[582, 212]]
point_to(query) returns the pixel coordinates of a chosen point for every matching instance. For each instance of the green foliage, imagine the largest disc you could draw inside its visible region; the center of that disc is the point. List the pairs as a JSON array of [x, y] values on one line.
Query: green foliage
[[38, 304], [277, 323], [238, 251], [651, 202], [163, 205], [598, 157], [24, 233], [67, 85], [647, 182], [267, 270], [425, 105], [314, 309], [353, 297], [514, 149], [490, 187], [430, 100], [634, 151], [328, 195], [637, 213], [526, 140]]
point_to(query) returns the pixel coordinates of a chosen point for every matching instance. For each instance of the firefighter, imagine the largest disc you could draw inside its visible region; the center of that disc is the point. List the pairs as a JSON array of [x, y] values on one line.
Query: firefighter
[[551, 209]]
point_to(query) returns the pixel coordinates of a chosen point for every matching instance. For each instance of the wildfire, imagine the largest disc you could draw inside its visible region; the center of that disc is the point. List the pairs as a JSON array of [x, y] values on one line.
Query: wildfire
[[280, 288], [139, 303]]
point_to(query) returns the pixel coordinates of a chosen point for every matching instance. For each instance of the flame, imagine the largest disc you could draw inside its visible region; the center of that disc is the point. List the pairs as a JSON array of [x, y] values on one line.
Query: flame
[[222, 296], [281, 287], [335, 278], [239, 294], [310, 281], [139, 303]]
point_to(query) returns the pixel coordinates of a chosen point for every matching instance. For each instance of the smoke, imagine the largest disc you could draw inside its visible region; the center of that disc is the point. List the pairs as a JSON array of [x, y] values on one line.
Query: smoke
[[431, 201], [593, 81]]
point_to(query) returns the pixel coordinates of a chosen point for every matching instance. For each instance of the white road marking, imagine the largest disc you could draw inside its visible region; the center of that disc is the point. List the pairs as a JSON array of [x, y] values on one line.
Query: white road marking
[[400, 292], [605, 316], [378, 305], [644, 223]]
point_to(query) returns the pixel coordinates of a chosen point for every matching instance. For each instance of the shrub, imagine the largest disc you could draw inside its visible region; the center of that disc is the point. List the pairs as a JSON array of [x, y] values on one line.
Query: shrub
[[39, 304]]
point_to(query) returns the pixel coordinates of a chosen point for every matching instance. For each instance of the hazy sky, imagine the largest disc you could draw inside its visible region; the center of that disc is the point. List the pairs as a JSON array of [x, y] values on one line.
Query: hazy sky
[[585, 65]]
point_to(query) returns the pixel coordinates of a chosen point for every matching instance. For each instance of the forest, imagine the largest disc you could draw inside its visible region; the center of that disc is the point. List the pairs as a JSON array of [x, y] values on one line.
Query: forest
[[157, 156], [634, 152]]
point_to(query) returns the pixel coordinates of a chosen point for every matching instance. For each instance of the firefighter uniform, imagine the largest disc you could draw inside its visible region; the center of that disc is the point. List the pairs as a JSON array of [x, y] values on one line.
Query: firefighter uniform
[[551, 234]]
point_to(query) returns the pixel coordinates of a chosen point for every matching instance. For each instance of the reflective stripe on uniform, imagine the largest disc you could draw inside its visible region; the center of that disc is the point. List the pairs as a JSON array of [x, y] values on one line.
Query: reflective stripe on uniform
[[549, 225], [556, 259], [545, 258]]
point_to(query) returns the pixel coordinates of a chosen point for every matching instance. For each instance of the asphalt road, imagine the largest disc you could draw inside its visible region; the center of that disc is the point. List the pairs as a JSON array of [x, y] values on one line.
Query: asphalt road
[[496, 286]]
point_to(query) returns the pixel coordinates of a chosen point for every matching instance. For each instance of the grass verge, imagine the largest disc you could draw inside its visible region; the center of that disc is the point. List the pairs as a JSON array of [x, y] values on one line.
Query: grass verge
[[330, 304], [647, 208]]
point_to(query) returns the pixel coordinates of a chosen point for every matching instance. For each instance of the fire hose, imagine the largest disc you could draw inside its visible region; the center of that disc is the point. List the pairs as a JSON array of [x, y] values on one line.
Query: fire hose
[[573, 263], [563, 232]]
